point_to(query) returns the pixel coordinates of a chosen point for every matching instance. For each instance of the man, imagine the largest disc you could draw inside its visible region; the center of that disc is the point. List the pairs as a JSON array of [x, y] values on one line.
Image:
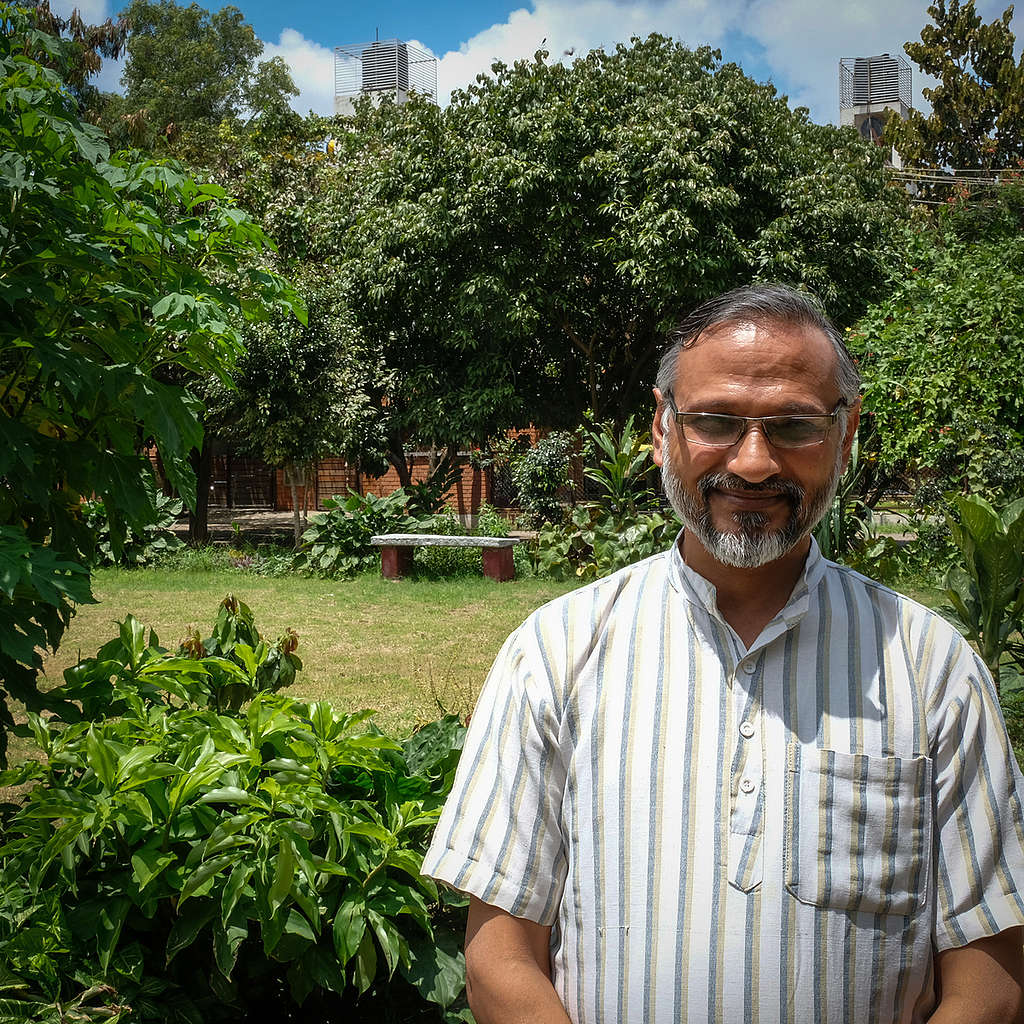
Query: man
[[736, 782]]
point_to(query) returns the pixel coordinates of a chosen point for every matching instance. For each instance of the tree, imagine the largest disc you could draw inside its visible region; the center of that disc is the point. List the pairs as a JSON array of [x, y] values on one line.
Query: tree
[[300, 394], [519, 254], [188, 71], [112, 269], [91, 44], [977, 118], [941, 356]]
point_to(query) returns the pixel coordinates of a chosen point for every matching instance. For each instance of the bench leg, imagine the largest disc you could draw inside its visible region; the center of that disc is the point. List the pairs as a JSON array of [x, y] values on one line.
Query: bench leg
[[395, 562], [499, 564]]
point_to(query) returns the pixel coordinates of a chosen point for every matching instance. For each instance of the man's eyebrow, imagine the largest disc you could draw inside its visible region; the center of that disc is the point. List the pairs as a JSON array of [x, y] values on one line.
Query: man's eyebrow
[[729, 407]]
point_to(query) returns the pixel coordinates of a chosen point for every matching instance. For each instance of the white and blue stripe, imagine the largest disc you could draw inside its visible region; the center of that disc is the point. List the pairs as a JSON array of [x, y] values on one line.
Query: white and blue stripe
[[719, 834]]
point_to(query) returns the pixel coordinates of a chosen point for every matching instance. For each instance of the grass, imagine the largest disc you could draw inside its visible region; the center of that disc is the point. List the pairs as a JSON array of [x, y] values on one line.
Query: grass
[[402, 647]]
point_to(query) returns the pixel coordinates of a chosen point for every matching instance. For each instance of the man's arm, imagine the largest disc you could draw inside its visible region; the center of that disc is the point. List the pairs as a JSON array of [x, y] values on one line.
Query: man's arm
[[508, 969], [982, 982]]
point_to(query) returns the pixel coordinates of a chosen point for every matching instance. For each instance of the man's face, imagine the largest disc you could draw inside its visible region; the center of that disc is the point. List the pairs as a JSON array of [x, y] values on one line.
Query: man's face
[[752, 503]]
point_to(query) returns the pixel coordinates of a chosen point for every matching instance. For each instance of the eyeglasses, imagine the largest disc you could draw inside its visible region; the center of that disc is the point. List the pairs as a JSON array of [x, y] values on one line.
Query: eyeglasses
[[719, 430]]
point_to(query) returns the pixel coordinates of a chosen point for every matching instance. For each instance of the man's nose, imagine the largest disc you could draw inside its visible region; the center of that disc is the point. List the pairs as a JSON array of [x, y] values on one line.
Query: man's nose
[[752, 457]]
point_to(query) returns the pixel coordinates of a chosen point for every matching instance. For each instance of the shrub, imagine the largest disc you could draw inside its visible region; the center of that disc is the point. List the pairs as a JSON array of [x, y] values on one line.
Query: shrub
[[593, 542], [627, 525], [192, 862], [540, 472], [338, 540], [156, 541]]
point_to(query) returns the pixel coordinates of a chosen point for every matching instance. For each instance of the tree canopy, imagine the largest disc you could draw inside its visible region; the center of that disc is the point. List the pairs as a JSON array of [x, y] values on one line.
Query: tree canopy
[[977, 118], [112, 271], [519, 254], [941, 355], [189, 70]]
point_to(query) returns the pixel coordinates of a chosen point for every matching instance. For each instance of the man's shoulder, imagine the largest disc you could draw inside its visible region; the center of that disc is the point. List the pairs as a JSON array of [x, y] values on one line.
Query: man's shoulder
[[893, 606]]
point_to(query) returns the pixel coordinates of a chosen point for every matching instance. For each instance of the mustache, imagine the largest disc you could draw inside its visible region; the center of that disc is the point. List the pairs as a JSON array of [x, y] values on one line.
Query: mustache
[[730, 482]]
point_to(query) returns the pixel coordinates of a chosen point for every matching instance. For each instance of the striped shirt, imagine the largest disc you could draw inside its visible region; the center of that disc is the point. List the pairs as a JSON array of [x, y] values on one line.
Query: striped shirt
[[715, 833]]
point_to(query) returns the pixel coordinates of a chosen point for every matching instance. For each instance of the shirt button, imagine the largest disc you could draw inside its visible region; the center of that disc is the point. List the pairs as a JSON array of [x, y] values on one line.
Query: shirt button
[[747, 785], [748, 667], [747, 730]]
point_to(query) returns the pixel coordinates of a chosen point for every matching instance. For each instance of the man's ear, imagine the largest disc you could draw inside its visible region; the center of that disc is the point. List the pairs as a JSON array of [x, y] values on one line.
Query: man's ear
[[657, 434], [851, 431]]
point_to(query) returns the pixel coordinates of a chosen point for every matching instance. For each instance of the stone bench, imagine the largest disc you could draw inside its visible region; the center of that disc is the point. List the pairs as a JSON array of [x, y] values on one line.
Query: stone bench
[[396, 552]]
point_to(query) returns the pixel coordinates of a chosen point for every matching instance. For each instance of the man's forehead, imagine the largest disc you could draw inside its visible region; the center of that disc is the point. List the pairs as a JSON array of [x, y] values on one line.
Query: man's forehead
[[789, 365], [751, 340], [754, 328]]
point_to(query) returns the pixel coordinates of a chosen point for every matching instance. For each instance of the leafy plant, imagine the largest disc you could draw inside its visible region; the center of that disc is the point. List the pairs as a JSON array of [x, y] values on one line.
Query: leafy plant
[[180, 862], [541, 472], [987, 590], [936, 356], [620, 466], [845, 524], [594, 542], [490, 522], [427, 497], [152, 542], [119, 275], [222, 672], [338, 540]]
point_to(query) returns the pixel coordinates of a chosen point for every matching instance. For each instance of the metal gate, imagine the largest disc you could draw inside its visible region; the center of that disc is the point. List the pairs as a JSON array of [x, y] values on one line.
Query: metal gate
[[240, 481]]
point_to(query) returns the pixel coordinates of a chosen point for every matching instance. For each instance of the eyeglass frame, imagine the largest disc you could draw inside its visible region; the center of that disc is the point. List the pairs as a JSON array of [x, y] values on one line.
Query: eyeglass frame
[[832, 418]]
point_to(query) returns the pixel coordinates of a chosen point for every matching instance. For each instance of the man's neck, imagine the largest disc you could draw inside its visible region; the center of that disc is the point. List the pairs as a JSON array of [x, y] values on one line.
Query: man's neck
[[748, 598]]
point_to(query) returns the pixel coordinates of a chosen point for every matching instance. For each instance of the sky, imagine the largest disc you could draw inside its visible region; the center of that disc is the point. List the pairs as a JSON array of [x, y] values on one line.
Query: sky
[[794, 44]]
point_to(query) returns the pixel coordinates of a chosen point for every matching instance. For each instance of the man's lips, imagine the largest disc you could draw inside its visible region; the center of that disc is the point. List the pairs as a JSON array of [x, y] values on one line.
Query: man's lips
[[750, 499]]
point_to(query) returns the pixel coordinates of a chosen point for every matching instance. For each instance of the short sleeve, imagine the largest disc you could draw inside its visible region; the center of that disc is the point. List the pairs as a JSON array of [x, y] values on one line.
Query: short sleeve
[[499, 837], [978, 819]]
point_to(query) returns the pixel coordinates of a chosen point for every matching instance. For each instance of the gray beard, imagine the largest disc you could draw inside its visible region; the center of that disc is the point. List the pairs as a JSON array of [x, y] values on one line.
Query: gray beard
[[753, 544]]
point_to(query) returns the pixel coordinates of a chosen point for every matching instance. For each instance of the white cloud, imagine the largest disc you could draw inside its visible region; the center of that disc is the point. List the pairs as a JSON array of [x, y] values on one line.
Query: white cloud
[[93, 12], [800, 42], [312, 68]]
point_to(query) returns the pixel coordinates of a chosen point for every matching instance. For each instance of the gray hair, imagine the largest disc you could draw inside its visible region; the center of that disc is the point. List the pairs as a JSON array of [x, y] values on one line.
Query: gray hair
[[759, 304]]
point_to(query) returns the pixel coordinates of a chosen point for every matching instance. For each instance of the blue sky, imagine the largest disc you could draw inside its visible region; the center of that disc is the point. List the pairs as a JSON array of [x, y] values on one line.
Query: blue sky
[[795, 44]]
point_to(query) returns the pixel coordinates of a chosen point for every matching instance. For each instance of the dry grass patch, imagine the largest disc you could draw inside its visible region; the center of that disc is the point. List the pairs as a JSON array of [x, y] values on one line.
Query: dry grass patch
[[400, 647]]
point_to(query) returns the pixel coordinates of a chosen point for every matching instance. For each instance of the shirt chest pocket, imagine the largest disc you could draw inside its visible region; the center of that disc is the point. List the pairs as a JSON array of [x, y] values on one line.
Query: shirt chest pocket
[[858, 830]]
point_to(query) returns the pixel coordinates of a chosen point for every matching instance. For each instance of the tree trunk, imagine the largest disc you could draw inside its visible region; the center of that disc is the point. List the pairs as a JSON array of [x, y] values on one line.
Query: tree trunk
[[291, 479], [396, 456], [198, 518]]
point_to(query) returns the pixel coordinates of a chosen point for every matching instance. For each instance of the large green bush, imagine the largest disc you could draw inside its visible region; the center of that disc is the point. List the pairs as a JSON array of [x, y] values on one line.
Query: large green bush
[[122, 279], [153, 541], [187, 861]]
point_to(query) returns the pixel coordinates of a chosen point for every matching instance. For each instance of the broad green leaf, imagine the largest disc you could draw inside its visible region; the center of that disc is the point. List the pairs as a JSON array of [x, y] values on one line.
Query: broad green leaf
[[147, 864], [387, 936], [366, 964], [436, 968], [234, 887], [230, 795], [191, 920], [101, 759], [284, 872], [203, 874], [370, 829], [110, 920], [349, 927]]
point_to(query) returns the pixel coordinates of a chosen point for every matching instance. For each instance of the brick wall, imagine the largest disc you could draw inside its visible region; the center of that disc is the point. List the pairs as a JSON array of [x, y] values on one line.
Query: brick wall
[[473, 489], [336, 476]]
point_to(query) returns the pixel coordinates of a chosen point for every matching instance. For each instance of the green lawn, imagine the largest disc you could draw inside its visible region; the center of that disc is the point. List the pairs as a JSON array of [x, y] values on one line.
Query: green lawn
[[399, 647], [405, 648]]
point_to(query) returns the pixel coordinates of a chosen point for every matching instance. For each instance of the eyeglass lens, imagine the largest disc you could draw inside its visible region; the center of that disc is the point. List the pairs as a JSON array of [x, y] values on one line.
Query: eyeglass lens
[[783, 431]]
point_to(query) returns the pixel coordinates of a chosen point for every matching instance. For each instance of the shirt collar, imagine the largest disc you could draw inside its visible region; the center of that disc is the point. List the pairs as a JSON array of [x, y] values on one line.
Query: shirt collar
[[697, 590]]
